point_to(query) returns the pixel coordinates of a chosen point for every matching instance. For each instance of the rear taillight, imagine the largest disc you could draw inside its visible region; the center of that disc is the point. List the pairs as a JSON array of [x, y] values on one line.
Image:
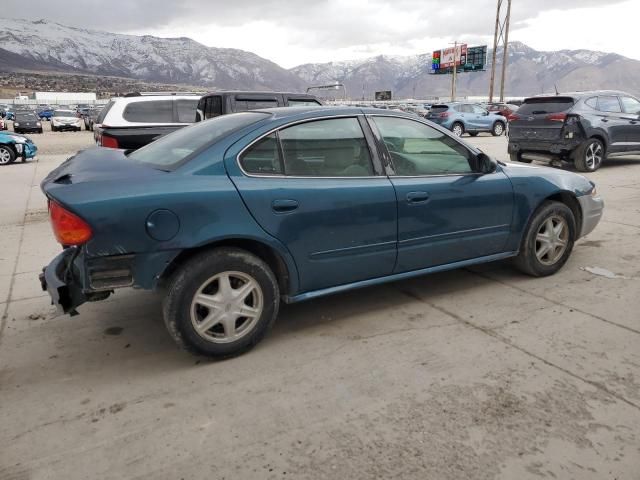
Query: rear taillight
[[557, 117], [68, 228], [108, 142], [512, 117], [443, 115]]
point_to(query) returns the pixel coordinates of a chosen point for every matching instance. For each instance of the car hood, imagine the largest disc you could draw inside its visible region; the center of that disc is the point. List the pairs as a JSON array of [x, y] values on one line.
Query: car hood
[[523, 174]]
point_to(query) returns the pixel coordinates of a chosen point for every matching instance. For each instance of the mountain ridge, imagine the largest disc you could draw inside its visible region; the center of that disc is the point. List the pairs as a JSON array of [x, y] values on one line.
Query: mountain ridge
[[48, 46]]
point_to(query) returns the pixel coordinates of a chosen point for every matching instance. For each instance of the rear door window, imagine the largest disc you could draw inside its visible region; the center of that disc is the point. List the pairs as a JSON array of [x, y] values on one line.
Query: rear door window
[[326, 148], [263, 157], [609, 103], [244, 103], [186, 110], [545, 105], [154, 111]]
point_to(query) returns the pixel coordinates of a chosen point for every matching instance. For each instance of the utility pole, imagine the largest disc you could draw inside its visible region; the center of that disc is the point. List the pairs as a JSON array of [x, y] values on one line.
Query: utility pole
[[500, 37], [455, 70]]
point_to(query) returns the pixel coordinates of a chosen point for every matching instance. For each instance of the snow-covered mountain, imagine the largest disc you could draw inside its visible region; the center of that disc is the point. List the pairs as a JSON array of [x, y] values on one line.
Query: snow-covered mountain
[[530, 72], [49, 46]]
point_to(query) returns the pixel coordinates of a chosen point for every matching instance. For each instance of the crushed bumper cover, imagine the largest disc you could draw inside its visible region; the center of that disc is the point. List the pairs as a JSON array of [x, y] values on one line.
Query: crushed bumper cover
[[59, 281]]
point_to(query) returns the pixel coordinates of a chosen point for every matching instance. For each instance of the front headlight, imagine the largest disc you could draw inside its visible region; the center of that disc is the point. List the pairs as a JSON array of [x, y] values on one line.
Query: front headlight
[[16, 124], [38, 124], [18, 139]]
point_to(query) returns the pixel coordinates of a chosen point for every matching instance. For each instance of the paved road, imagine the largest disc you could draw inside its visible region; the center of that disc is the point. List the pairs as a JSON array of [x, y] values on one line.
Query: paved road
[[480, 373]]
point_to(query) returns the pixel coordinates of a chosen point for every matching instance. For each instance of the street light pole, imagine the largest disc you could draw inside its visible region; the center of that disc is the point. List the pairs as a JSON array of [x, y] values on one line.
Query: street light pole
[[505, 57]]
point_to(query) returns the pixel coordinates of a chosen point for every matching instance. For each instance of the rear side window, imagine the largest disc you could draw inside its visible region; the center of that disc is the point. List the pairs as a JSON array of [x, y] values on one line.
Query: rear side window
[[155, 111], [293, 102], [544, 105], [263, 157], [592, 102], [609, 103], [212, 106], [186, 110], [244, 105], [326, 148]]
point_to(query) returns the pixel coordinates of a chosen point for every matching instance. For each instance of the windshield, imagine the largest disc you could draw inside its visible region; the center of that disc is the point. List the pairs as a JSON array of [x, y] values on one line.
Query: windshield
[[545, 105], [170, 150], [64, 113], [25, 117]]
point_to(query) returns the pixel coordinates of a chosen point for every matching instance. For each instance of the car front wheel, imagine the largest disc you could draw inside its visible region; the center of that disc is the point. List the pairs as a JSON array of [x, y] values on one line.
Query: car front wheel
[[498, 129], [221, 303], [7, 155], [548, 241], [588, 157]]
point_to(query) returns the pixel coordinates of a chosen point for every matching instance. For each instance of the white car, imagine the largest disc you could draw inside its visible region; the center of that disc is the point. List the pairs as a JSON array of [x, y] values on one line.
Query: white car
[[65, 120]]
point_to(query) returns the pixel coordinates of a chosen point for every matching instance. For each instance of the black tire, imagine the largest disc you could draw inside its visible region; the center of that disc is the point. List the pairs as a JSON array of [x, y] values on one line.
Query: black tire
[[7, 155], [190, 278], [527, 260], [473, 134], [517, 157], [498, 129], [53, 129], [41, 131], [458, 132], [589, 155]]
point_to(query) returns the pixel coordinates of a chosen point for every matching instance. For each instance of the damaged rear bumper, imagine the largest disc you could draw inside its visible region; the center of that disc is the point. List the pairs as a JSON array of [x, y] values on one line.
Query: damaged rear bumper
[[62, 283]]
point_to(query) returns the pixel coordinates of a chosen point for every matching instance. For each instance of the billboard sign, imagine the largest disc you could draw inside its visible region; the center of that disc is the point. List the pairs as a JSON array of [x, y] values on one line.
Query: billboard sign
[[447, 56], [384, 95]]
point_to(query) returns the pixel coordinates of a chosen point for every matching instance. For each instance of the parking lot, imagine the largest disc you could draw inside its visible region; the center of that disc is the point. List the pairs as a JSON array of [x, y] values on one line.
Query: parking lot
[[480, 373]]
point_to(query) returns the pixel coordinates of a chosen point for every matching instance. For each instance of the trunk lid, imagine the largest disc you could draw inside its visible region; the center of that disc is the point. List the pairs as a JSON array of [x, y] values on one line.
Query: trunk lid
[[540, 118]]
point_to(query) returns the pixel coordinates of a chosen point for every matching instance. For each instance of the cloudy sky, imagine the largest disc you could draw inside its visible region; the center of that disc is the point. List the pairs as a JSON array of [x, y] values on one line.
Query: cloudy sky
[[303, 31]]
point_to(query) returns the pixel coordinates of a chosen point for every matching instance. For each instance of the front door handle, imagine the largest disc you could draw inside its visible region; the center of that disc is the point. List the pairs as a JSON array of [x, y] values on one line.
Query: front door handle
[[417, 197], [284, 206]]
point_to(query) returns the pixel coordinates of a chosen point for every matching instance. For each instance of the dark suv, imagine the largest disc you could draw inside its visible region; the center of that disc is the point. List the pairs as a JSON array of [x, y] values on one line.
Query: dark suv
[[583, 128]]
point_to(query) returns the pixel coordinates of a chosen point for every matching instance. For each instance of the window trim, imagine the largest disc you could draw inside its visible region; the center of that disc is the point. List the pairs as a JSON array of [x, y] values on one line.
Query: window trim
[[390, 167], [617, 97], [308, 177]]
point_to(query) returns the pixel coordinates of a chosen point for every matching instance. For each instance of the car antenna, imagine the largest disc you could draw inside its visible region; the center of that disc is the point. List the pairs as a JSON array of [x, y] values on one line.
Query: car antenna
[[556, 87]]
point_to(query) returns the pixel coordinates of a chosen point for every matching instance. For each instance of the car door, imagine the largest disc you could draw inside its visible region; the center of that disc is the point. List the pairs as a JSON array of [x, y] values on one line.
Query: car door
[[446, 211], [313, 186], [631, 107], [483, 120], [613, 121]]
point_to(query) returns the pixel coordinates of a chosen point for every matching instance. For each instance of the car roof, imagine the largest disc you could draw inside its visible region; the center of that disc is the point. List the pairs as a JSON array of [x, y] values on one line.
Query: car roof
[[327, 111], [586, 93]]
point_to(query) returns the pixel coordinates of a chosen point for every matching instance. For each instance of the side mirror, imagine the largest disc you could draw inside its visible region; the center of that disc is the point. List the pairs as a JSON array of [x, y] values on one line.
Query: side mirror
[[485, 164]]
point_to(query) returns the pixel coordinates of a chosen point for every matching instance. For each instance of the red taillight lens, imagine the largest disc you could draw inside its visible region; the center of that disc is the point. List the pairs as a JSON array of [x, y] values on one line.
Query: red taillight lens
[[444, 115], [68, 228], [108, 142], [557, 117], [512, 117]]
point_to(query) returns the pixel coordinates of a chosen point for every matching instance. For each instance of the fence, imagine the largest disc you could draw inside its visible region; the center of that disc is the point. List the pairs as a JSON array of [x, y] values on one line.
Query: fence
[[13, 101]]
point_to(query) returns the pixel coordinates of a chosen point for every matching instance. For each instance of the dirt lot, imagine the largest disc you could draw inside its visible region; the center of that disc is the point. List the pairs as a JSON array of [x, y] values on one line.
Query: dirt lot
[[480, 373]]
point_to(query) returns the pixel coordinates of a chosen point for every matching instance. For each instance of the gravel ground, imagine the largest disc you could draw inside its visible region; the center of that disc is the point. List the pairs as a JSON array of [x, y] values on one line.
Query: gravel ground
[[479, 373]]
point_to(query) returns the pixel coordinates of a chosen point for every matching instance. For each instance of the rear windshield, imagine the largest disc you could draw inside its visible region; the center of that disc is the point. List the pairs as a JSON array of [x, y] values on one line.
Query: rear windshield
[[64, 113], [544, 105], [439, 108], [169, 151]]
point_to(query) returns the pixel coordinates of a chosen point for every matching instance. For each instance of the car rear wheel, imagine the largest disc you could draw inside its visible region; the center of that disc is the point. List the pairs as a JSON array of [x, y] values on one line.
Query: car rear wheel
[[53, 129], [7, 155], [457, 129], [221, 303], [498, 129], [588, 157], [548, 240]]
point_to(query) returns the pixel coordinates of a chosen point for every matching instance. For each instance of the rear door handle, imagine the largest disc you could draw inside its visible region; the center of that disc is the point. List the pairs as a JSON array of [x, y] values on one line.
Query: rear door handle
[[285, 205], [417, 197]]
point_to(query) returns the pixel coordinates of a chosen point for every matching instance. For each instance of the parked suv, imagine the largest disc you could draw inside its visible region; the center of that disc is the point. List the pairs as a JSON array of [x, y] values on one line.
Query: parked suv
[[135, 120], [583, 128], [220, 103], [467, 117]]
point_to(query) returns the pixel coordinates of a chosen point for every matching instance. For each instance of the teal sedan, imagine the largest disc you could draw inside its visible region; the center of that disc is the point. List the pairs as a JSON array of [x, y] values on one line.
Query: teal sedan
[[14, 146]]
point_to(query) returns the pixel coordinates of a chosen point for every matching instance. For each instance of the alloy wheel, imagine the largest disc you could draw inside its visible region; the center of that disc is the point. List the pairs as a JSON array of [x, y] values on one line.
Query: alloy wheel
[[594, 155], [552, 240], [5, 156], [498, 129], [226, 307], [457, 130]]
